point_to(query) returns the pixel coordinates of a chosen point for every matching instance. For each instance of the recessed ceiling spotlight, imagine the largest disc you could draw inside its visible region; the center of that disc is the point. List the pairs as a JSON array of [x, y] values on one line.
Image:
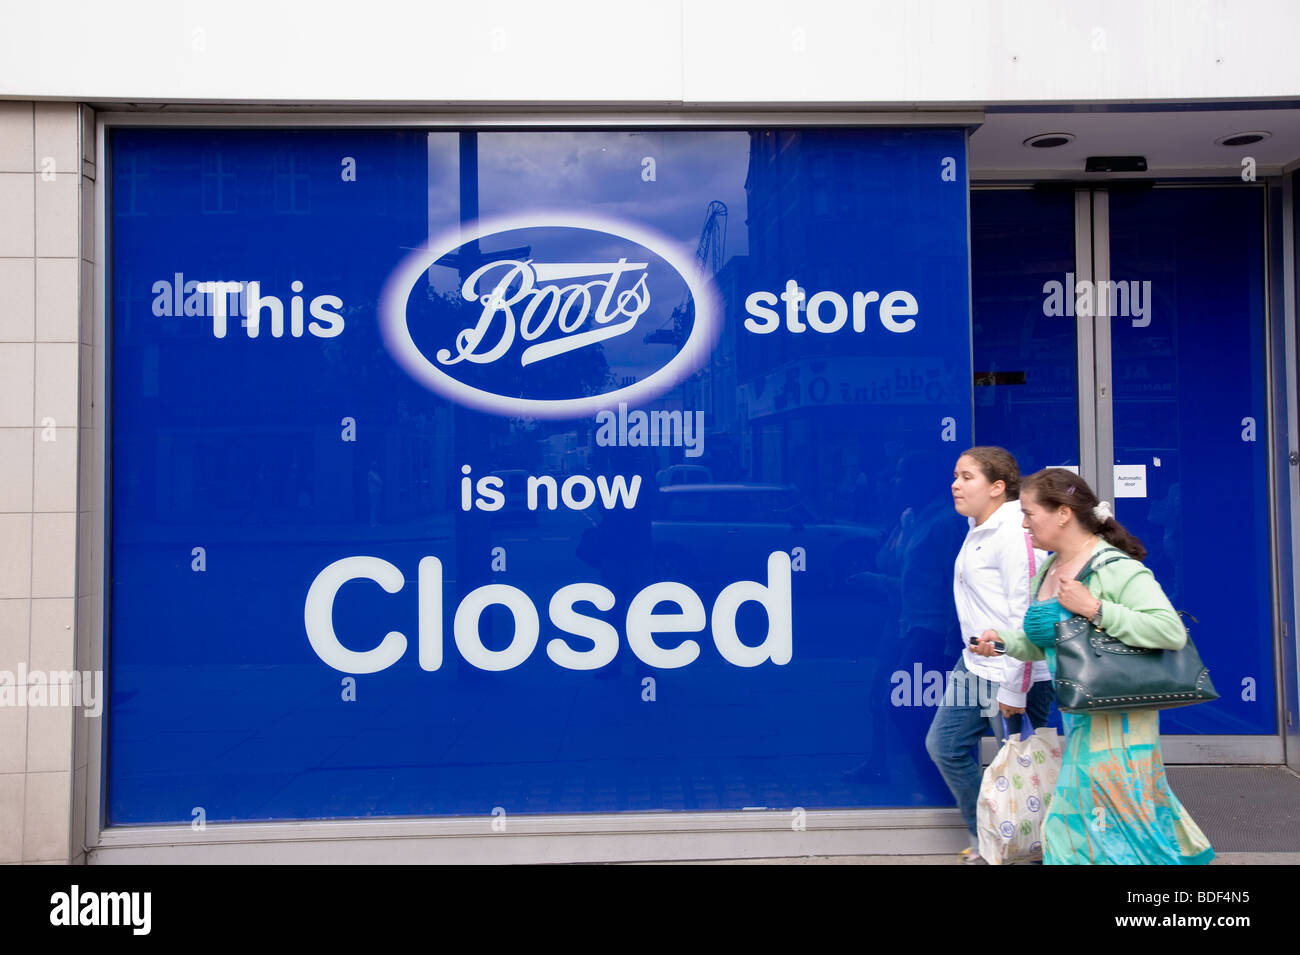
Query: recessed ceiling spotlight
[[1048, 140], [1242, 139]]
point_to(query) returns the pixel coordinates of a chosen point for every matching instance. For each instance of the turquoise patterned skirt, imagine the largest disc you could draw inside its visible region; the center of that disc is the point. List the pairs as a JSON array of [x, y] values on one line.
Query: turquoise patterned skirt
[[1112, 803]]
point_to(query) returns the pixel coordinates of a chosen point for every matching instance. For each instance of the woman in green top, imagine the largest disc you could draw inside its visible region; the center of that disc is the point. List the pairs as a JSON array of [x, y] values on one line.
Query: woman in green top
[[1112, 802]]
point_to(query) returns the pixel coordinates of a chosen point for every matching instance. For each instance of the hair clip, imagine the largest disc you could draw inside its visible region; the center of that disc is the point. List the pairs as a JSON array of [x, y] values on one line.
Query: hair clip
[[1071, 490]]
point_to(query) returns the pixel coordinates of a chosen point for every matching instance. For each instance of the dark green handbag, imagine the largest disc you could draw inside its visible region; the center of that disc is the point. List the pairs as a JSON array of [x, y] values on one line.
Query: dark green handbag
[[1095, 672]]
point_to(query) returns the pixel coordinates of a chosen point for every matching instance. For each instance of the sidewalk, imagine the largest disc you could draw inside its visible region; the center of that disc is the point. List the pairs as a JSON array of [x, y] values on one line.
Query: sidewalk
[[1224, 858], [1250, 814]]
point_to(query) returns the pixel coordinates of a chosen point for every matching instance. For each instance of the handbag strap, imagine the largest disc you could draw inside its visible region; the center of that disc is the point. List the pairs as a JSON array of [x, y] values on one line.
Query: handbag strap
[[1088, 569], [1024, 721]]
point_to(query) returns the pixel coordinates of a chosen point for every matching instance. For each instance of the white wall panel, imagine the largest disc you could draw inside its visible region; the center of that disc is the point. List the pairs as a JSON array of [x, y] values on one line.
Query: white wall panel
[[988, 51], [653, 51], [343, 51]]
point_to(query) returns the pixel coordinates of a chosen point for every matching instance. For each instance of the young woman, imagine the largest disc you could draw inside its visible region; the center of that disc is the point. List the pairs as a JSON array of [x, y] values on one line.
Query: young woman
[[1112, 802], [990, 588]]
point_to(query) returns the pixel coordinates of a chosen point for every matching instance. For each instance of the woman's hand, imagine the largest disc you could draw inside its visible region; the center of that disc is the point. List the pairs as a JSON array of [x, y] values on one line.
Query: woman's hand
[[1076, 598], [985, 646]]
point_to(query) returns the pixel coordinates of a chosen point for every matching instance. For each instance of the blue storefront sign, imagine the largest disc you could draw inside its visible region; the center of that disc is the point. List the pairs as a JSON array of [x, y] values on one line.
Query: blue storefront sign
[[532, 471]]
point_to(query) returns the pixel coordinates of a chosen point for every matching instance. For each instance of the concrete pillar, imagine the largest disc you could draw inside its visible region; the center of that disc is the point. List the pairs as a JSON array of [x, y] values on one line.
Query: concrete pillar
[[51, 477]]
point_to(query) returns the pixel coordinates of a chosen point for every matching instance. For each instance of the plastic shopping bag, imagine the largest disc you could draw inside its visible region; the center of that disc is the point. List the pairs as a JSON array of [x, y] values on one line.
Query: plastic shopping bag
[[1014, 796]]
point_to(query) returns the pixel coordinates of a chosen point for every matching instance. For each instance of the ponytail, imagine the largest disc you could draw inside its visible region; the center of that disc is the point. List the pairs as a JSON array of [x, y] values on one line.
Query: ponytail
[[1116, 534]]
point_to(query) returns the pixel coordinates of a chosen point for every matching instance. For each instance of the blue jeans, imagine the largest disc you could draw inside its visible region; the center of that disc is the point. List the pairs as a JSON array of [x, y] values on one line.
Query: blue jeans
[[958, 725]]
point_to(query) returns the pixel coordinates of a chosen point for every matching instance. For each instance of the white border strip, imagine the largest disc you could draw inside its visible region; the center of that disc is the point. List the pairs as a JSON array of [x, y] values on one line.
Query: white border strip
[[544, 118], [533, 839]]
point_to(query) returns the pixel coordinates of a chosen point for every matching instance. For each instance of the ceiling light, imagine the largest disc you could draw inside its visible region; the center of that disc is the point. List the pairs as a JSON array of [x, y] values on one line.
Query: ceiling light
[[1242, 139], [1049, 140]]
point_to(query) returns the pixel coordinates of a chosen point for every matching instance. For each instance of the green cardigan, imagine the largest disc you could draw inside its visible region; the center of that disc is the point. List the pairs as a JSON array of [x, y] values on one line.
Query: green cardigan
[[1134, 610]]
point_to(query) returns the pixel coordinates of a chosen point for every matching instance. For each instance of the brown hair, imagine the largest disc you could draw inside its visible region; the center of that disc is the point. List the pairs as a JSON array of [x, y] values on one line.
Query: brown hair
[[1057, 487], [997, 464]]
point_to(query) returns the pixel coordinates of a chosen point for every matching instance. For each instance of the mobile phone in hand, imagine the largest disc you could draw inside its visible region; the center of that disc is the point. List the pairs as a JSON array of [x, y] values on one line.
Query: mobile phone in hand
[[998, 645]]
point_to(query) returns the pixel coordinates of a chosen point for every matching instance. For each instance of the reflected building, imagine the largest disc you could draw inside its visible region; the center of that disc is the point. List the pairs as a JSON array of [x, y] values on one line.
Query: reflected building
[[827, 413]]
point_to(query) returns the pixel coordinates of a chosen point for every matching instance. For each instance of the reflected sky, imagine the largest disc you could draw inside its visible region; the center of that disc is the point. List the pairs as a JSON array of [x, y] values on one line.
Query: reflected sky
[[600, 171]]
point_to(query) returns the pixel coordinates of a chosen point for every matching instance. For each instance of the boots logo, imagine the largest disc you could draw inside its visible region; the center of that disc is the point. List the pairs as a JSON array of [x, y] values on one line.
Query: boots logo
[[549, 316]]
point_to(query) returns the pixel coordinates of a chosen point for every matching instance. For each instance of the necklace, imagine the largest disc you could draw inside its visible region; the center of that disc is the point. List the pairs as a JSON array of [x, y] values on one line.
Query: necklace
[[1087, 546]]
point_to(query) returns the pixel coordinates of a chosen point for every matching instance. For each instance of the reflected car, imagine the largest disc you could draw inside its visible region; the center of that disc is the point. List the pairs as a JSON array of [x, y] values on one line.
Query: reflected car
[[709, 531], [684, 474], [515, 488]]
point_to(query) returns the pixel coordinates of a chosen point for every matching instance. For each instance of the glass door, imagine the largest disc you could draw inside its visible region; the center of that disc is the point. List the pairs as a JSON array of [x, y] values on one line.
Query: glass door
[[1026, 383], [1188, 373], [1121, 331]]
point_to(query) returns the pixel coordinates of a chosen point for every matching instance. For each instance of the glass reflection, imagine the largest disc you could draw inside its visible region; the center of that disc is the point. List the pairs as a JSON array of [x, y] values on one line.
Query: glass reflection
[[244, 465]]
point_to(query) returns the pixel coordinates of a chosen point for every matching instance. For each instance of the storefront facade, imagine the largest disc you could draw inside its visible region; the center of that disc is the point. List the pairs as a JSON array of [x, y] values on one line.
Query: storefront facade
[[573, 484]]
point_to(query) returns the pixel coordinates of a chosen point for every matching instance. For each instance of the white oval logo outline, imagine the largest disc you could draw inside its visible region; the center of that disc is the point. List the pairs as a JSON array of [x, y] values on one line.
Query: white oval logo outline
[[397, 337]]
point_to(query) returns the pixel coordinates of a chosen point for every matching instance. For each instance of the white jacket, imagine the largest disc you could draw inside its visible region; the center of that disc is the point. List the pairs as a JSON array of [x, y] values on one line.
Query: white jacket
[[990, 585]]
